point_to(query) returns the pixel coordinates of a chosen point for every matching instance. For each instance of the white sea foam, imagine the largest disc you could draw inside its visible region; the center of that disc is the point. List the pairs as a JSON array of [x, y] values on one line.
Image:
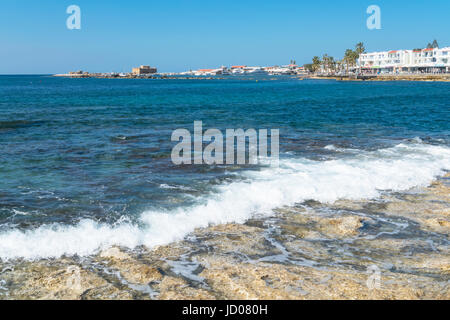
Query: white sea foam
[[332, 147], [176, 187], [363, 175]]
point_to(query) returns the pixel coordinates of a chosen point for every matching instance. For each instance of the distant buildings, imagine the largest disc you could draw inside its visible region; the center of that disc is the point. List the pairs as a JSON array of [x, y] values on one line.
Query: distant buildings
[[246, 70], [151, 72], [432, 60], [208, 72], [237, 69], [291, 69], [144, 70]]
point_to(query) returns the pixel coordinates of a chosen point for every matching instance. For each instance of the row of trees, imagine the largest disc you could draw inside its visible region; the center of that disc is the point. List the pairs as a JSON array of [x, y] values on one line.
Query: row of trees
[[328, 63]]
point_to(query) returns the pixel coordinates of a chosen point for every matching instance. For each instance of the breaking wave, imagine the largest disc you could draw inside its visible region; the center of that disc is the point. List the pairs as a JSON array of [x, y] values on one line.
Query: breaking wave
[[362, 175]]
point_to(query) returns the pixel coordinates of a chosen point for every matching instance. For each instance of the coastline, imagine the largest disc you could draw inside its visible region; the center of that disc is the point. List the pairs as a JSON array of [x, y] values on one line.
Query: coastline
[[384, 77], [302, 252]]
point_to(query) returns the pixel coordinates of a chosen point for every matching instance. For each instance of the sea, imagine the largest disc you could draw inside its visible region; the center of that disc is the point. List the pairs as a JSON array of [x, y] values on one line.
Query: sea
[[85, 164]]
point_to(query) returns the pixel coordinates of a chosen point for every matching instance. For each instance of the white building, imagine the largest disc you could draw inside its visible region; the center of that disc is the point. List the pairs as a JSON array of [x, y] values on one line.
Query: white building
[[397, 61], [210, 72], [283, 70]]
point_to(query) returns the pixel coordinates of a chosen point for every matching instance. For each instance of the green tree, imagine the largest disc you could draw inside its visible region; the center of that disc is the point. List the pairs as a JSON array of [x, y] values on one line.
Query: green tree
[[339, 64], [309, 67], [360, 48], [328, 62], [348, 58], [316, 63], [432, 45], [355, 57], [325, 61], [332, 64]]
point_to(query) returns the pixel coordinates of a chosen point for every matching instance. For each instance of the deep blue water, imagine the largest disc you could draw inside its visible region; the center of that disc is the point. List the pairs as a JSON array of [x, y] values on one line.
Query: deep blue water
[[100, 148]]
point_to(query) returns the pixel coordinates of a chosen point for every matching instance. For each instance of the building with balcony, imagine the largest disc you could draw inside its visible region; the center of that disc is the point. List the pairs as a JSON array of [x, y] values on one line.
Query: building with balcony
[[431, 60]]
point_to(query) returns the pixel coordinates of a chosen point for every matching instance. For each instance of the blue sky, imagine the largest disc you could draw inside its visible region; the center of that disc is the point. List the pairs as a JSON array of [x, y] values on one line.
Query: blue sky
[[177, 35]]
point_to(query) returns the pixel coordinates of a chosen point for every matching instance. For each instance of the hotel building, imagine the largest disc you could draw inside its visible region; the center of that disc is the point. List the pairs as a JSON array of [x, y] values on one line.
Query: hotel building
[[432, 60]]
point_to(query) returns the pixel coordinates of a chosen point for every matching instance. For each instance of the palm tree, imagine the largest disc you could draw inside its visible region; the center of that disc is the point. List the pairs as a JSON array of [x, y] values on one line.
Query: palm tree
[[360, 48], [348, 57], [339, 64], [332, 64], [325, 61], [328, 62], [316, 63]]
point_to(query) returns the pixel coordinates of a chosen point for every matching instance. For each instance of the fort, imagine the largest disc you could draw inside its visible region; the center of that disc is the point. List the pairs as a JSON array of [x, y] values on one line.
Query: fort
[[144, 70]]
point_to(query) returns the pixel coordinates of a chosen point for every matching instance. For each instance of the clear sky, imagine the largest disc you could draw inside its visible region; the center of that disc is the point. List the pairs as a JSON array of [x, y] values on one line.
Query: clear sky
[[177, 35]]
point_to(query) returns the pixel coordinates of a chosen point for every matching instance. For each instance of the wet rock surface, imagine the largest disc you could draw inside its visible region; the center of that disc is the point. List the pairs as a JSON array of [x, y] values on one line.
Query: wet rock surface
[[394, 247]]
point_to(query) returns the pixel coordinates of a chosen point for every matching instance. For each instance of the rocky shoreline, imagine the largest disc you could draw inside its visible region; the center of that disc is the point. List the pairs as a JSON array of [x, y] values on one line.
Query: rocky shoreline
[[309, 251]]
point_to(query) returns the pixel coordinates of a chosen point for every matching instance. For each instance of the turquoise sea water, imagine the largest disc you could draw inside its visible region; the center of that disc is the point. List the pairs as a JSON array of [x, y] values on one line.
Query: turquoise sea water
[[86, 156]]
